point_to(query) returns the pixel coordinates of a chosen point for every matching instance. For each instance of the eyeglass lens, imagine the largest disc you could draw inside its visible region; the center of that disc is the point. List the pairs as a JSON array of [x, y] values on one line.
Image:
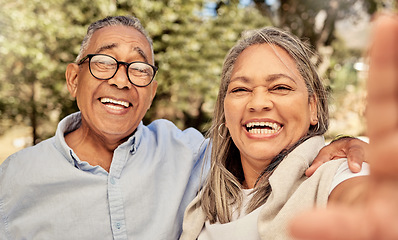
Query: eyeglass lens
[[104, 67]]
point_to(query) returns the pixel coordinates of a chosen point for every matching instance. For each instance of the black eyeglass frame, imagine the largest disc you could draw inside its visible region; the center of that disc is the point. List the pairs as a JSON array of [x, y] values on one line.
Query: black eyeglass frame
[[90, 56]]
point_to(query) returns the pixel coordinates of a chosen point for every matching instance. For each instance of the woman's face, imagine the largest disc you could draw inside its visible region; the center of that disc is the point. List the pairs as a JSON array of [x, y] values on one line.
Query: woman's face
[[266, 106]]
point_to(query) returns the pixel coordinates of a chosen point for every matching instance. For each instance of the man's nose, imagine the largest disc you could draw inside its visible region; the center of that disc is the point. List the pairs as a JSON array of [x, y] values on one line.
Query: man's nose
[[120, 79]]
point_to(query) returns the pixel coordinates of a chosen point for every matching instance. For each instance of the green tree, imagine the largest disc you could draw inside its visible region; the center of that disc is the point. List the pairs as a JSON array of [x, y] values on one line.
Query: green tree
[[300, 16], [40, 37]]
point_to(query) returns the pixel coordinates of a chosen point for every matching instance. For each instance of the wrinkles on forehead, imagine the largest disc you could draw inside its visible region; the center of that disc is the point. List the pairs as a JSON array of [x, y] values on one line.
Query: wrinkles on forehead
[[269, 79], [106, 47], [115, 45]]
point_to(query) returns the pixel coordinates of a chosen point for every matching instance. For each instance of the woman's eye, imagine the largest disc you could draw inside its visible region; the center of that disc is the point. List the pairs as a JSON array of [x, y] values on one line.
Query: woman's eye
[[239, 90], [281, 88]]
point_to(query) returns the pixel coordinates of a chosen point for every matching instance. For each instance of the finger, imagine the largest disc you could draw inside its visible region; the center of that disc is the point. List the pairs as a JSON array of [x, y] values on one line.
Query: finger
[[324, 155], [382, 109], [383, 157], [335, 150], [314, 166], [330, 224], [356, 155], [375, 220]]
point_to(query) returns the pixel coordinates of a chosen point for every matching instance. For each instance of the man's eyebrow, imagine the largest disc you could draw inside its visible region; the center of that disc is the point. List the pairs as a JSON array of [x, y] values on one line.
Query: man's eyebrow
[[106, 47], [142, 53]]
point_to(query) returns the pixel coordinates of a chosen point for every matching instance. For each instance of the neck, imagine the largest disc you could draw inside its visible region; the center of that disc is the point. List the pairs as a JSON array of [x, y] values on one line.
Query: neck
[[92, 148], [252, 172]]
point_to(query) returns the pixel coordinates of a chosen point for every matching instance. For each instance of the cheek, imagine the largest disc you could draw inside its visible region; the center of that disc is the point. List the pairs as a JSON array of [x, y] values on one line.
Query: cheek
[[84, 90], [302, 118], [145, 98], [228, 113], [79, 95]]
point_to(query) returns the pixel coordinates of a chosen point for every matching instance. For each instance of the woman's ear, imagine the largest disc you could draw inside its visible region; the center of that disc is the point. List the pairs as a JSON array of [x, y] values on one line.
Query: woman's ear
[[71, 75], [313, 110]]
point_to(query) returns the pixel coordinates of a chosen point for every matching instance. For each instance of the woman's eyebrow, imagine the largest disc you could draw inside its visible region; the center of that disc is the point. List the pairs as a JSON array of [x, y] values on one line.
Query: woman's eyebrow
[[276, 76], [239, 78], [269, 78]]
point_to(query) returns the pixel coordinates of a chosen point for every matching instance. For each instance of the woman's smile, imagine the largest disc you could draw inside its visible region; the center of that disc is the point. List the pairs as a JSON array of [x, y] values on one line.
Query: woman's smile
[[262, 127], [267, 107]]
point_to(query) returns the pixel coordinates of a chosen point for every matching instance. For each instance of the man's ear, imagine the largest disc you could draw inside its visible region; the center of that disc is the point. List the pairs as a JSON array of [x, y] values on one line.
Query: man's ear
[[154, 86], [71, 75]]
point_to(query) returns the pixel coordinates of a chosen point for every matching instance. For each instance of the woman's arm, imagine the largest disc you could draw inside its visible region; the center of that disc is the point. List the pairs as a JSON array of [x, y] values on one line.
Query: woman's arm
[[351, 192], [376, 215]]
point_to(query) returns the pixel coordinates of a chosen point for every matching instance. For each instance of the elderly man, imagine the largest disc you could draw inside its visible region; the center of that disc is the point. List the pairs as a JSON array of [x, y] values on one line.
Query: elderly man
[[104, 175]]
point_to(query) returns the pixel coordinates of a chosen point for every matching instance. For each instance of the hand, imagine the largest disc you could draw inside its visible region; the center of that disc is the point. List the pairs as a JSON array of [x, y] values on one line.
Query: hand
[[351, 148], [377, 218]]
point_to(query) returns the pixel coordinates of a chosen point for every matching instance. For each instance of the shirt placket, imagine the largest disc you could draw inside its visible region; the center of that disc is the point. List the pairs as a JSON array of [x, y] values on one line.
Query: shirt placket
[[115, 196], [116, 208]]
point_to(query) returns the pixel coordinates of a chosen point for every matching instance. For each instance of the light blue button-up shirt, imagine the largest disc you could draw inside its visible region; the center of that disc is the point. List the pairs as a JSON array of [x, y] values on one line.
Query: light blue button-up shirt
[[46, 192]]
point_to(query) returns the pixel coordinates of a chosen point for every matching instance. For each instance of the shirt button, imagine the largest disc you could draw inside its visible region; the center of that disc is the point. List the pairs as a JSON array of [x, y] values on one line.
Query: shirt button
[[118, 225], [112, 181]]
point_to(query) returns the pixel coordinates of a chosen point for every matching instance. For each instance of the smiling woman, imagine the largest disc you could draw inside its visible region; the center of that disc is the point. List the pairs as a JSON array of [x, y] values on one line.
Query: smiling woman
[[275, 95], [269, 119]]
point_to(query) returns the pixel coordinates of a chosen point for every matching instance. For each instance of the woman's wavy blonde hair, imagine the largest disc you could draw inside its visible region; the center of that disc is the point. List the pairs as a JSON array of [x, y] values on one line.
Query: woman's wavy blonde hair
[[223, 187]]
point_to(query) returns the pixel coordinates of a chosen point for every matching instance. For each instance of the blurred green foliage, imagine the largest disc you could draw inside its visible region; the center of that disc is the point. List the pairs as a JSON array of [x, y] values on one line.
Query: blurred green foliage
[[38, 38]]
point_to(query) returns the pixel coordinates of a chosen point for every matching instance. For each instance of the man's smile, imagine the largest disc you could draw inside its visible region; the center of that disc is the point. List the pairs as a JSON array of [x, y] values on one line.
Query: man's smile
[[114, 104]]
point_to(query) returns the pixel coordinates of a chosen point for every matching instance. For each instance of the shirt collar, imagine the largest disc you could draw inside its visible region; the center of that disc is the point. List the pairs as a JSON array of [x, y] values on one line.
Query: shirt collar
[[72, 122], [65, 126]]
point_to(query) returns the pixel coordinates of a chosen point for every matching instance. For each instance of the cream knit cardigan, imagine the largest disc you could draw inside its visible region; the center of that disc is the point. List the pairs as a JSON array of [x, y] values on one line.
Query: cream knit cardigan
[[292, 192]]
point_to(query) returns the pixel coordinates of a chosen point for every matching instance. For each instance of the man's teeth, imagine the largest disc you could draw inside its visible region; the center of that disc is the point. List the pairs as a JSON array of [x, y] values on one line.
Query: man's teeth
[[262, 127], [116, 102]]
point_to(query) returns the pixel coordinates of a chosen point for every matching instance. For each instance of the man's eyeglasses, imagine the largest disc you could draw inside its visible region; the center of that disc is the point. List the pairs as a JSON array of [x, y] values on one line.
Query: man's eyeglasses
[[104, 67]]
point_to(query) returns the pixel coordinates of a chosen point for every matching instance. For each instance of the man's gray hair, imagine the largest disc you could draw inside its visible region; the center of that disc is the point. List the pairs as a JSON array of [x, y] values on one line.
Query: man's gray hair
[[128, 21]]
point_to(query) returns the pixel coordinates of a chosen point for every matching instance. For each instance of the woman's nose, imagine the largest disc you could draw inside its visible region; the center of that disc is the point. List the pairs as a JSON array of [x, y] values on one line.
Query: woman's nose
[[260, 100]]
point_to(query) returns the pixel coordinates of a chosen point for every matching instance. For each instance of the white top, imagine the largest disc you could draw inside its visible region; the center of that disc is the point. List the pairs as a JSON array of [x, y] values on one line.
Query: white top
[[244, 226]]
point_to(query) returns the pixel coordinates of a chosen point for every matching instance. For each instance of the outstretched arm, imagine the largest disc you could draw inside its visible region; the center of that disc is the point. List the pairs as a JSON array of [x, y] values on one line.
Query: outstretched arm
[[377, 216], [347, 147]]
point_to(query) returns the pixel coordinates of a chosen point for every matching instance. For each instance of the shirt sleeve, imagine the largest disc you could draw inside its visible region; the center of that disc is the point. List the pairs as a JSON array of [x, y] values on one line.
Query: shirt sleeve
[[343, 173], [2, 217], [2, 229]]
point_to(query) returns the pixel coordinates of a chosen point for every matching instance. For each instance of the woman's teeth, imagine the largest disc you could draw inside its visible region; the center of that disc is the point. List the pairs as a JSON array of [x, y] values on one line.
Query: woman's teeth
[[262, 127]]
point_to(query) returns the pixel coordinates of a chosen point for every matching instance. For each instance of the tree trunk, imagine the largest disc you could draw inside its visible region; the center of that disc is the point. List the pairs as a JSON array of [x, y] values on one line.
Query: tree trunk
[[33, 114]]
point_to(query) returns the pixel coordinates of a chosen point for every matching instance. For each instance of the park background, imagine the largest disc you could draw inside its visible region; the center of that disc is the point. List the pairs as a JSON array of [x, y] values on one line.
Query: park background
[[38, 38]]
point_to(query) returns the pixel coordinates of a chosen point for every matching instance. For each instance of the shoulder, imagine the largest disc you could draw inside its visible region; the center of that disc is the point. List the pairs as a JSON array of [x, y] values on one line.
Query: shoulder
[[343, 173], [40, 149], [194, 218], [166, 130], [328, 170], [34, 156], [316, 188], [163, 125]]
